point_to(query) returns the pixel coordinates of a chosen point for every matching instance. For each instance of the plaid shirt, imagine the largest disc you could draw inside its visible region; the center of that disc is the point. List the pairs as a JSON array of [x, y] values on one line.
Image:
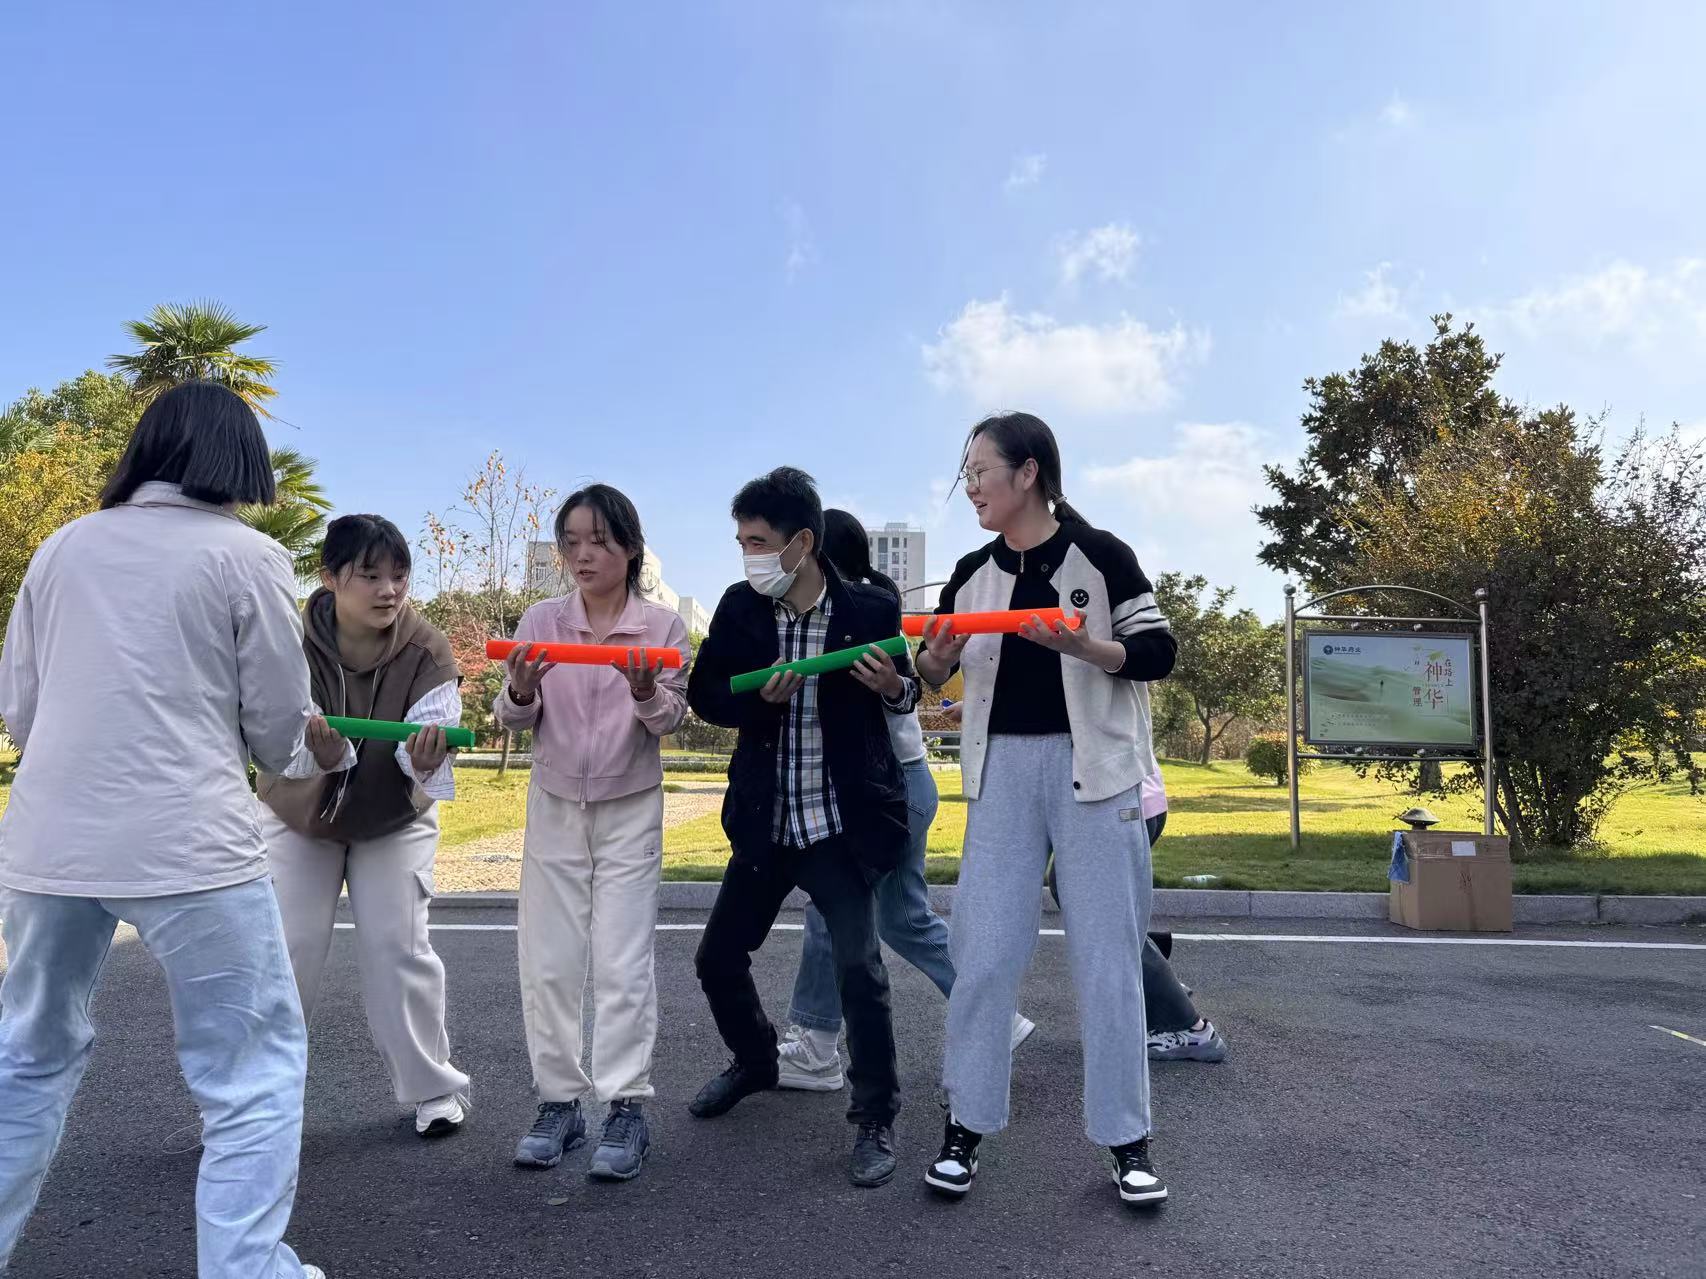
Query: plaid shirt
[[806, 811]]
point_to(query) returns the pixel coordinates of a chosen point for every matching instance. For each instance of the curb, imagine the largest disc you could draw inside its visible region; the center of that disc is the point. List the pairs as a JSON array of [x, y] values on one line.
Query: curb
[[1223, 903]]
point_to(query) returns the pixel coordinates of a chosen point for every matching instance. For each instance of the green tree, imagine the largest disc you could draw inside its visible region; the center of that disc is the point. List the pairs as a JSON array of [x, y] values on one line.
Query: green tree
[[97, 404], [1230, 663], [297, 517], [1594, 569], [41, 488], [195, 341], [1370, 425]]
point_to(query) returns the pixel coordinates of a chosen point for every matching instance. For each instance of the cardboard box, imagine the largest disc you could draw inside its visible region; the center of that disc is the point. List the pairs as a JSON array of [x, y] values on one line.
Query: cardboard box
[[1451, 881]]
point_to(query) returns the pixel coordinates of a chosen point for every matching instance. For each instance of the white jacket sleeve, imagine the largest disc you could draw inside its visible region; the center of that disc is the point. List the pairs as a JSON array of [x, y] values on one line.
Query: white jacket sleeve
[[441, 706], [272, 673], [20, 680], [304, 765]]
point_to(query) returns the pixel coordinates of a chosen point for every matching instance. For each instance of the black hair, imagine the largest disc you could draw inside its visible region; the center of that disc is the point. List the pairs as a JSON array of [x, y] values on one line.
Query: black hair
[[202, 437], [848, 547], [620, 519], [363, 541], [786, 499], [1024, 437]]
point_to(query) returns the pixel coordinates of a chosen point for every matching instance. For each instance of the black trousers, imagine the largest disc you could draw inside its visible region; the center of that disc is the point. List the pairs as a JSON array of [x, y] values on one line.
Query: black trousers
[[747, 905]]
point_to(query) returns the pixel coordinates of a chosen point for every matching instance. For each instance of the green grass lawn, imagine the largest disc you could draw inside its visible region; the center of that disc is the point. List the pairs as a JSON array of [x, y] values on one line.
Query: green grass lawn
[[1224, 822]]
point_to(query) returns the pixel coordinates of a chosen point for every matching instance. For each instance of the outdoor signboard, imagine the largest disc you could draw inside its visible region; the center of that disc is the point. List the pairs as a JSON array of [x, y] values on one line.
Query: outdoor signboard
[[1410, 689]]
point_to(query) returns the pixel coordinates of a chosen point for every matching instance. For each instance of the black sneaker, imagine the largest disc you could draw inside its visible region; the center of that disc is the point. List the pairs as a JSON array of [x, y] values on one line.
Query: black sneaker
[[1135, 1175], [873, 1160], [957, 1164], [560, 1127], [727, 1090]]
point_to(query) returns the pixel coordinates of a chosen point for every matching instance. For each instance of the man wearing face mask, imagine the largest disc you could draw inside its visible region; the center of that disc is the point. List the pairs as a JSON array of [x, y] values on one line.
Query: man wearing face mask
[[816, 799]]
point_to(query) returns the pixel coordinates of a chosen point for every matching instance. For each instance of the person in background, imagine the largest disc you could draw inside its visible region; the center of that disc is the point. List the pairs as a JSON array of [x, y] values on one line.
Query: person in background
[[1176, 1031], [1054, 752], [371, 822], [153, 650], [816, 798], [592, 853], [810, 1058]]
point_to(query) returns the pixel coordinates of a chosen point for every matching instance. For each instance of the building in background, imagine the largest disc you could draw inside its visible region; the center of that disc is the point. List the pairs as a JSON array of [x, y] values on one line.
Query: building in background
[[545, 576], [693, 613], [898, 550]]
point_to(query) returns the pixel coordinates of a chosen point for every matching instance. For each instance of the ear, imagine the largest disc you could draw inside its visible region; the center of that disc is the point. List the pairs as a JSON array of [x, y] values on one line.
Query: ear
[[328, 580], [1027, 473]]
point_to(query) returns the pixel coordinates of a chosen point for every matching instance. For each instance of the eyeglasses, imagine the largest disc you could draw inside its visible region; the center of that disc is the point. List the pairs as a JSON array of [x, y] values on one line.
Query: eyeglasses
[[974, 478]]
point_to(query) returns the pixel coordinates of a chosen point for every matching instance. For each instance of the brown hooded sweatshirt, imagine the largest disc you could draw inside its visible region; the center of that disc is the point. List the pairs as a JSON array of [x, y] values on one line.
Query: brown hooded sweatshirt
[[375, 798]]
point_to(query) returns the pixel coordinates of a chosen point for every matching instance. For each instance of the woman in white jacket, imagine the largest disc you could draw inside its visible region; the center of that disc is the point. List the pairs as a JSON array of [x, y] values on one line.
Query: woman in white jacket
[[153, 649]]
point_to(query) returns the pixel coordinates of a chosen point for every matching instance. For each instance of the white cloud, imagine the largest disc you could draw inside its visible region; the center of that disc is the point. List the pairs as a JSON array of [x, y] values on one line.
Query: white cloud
[[1109, 251], [1190, 508], [1622, 303], [1002, 358], [1027, 171], [802, 249], [1212, 476], [1378, 299], [1397, 113]]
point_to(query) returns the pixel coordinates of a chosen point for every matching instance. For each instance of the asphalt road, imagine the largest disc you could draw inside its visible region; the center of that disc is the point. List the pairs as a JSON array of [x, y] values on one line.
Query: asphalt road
[[1387, 1110]]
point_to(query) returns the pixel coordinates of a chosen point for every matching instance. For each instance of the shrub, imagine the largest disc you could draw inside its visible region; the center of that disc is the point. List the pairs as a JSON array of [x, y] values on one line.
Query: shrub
[[1265, 757], [696, 735]]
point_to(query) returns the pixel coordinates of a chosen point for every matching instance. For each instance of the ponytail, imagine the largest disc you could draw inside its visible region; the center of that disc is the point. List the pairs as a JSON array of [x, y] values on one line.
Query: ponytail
[[1066, 513]]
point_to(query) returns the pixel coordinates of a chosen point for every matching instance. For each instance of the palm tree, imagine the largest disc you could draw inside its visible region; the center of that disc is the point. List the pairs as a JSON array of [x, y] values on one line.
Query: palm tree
[[195, 341], [297, 517]]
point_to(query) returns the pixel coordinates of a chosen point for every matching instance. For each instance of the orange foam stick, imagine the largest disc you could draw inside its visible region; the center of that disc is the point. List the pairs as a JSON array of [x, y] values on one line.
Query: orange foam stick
[[1007, 622], [584, 654]]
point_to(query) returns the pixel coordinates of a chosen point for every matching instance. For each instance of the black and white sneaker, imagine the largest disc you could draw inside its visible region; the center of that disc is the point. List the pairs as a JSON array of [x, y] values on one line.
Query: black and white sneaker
[[957, 1164], [1135, 1175]]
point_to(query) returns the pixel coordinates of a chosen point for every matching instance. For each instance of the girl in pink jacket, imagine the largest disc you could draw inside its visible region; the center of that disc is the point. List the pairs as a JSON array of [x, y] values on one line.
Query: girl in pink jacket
[[594, 840]]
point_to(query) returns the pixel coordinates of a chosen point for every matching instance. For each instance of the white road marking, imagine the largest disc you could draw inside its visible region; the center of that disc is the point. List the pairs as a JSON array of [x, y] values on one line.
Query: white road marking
[[1347, 939], [1690, 1038]]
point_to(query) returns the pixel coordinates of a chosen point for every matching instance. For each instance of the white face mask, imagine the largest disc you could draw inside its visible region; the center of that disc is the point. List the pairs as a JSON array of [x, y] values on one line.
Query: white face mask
[[765, 574]]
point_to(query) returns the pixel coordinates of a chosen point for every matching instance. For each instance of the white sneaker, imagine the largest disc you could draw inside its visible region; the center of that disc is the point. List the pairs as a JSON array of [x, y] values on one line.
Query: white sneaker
[[312, 1272], [810, 1061], [441, 1116], [1023, 1028]]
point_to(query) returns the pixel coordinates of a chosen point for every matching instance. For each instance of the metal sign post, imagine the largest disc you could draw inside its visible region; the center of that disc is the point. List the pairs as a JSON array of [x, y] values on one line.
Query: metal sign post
[[1385, 625]]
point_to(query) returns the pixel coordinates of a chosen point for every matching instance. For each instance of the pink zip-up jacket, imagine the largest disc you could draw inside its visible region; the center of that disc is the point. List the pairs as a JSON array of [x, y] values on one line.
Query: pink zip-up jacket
[[591, 739]]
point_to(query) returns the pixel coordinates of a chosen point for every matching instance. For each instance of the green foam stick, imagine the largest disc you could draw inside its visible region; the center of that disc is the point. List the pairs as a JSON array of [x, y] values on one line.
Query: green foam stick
[[839, 660], [385, 730]]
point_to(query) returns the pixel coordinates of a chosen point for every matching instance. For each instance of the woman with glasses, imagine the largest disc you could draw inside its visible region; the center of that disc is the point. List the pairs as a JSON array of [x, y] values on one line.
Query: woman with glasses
[[1054, 752]]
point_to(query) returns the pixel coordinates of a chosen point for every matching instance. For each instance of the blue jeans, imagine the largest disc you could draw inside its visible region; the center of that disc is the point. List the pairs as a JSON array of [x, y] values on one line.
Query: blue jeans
[[904, 919], [241, 1045]]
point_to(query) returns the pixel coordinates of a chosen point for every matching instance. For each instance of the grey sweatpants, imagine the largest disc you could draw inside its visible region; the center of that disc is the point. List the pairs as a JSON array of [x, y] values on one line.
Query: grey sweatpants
[[1027, 806]]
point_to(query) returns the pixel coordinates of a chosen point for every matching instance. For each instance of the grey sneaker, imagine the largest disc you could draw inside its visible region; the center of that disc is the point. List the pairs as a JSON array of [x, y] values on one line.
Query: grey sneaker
[[809, 1060], [1188, 1045], [622, 1148], [560, 1127]]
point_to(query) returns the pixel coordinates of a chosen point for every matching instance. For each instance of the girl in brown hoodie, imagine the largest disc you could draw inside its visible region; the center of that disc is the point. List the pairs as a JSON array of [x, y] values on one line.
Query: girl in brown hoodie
[[370, 820]]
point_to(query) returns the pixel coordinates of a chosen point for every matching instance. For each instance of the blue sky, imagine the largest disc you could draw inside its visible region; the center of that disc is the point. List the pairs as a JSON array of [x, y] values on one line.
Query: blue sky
[[670, 246]]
